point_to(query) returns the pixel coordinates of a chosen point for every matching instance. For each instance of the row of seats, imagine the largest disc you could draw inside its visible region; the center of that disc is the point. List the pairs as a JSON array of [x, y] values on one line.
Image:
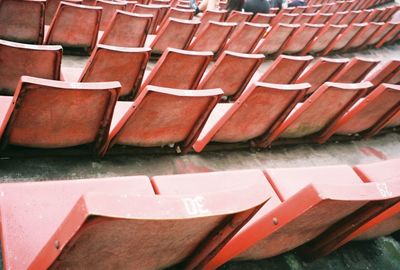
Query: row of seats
[[68, 33], [46, 114], [180, 69], [196, 221]]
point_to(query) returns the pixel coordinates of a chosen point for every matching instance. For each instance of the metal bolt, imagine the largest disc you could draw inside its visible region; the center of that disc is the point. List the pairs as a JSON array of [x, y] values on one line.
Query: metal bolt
[[275, 221], [57, 244]]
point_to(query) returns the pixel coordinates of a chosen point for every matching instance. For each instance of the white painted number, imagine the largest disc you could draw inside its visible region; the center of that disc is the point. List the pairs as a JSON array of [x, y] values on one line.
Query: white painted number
[[194, 206], [383, 189]]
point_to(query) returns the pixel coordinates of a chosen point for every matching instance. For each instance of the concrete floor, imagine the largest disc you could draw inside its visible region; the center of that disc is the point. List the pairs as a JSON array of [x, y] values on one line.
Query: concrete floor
[[382, 253]]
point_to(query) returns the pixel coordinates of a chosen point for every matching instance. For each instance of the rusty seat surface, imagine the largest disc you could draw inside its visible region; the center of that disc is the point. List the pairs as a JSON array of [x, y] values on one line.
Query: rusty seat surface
[[53, 114], [69, 32], [256, 113], [319, 112], [276, 38], [174, 33], [109, 9], [161, 117], [309, 203], [246, 37], [127, 29], [179, 69], [18, 59], [241, 66], [213, 37], [22, 21], [112, 63]]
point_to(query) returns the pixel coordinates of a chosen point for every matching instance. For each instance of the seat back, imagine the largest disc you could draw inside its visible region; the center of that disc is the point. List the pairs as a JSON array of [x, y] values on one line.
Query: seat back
[[174, 33], [54, 114], [371, 114], [125, 65], [322, 110], [380, 33], [246, 37], [52, 5], [258, 112], [127, 30], [263, 18], [179, 69], [232, 72], [301, 38], [355, 71], [388, 73], [238, 16], [69, 32], [39, 202], [304, 18], [22, 59], [177, 13], [324, 38], [154, 10], [213, 37], [342, 40], [211, 15], [22, 21], [109, 9], [323, 70], [276, 38], [285, 69], [363, 36], [162, 116]]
